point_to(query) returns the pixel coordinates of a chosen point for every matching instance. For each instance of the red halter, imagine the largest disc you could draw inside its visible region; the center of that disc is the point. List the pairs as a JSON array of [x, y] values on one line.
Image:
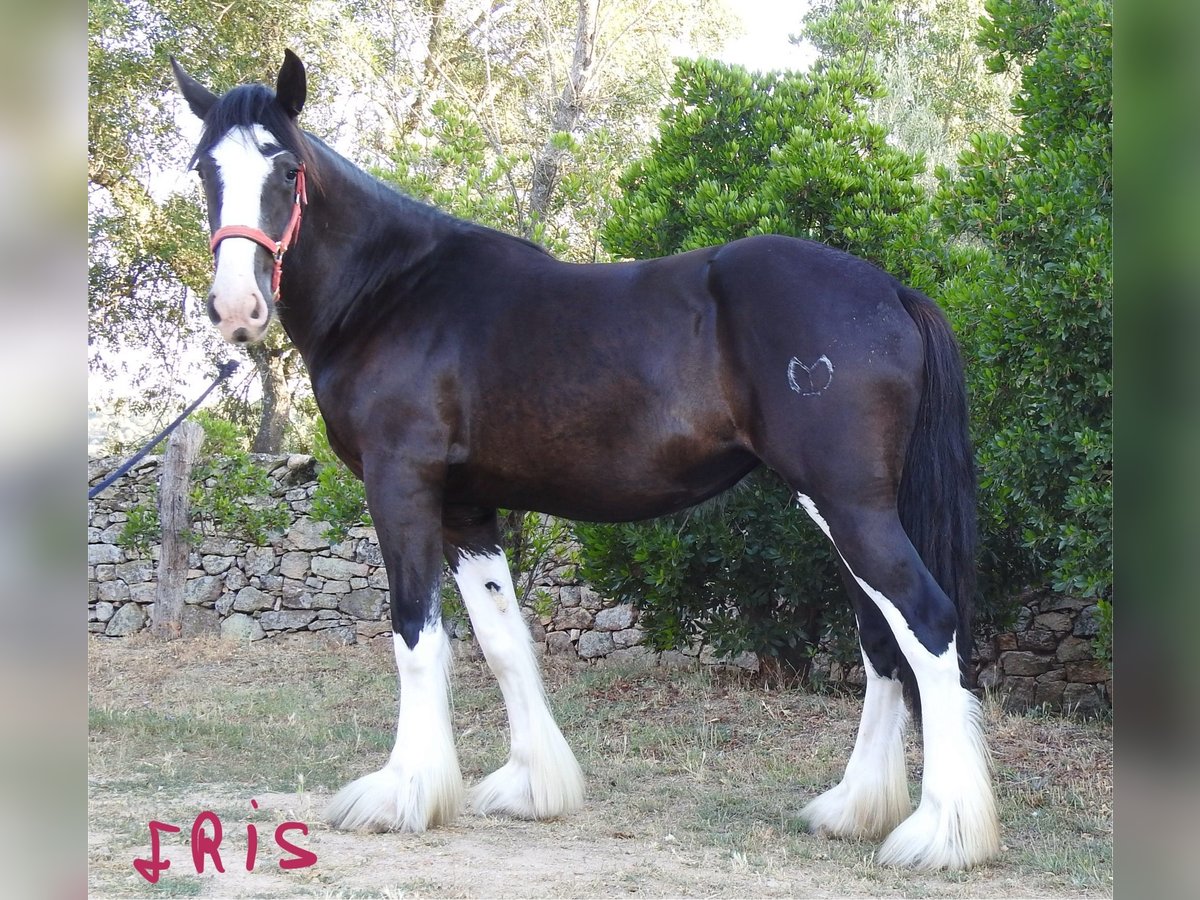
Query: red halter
[[275, 248]]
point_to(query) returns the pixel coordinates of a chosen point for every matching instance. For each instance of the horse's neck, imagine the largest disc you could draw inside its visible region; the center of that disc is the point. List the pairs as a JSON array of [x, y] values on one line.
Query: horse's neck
[[350, 230]]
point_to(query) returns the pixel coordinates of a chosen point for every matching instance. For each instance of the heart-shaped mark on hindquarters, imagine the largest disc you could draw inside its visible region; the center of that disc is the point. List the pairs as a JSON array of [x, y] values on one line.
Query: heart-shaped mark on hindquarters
[[809, 380]]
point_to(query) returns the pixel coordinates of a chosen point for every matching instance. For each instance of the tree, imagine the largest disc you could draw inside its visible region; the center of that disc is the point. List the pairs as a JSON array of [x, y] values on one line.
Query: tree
[[533, 107], [937, 88], [148, 256], [514, 114], [1039, 347], [739, 154]]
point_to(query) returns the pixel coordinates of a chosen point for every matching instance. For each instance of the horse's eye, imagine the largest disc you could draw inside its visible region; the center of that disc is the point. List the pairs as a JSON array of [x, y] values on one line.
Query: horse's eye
[[291, 174]]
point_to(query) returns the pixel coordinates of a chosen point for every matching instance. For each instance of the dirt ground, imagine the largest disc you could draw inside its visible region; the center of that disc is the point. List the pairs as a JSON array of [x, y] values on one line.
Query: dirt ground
[[478, 857], [692, 784]]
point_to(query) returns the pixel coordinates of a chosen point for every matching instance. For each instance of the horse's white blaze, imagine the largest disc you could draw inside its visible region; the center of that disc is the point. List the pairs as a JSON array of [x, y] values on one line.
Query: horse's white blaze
[[872, 797], [541, 778], [421, 785], [243, 171], [955, 825]]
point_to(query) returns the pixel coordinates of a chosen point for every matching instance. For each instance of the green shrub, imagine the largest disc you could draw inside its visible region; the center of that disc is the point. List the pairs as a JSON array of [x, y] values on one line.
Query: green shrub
[[221, 436], [542, 540], [141, 530], [747, 571], [237, 503], [232, 497], [230, 493], [1038, 340], [340, 498]]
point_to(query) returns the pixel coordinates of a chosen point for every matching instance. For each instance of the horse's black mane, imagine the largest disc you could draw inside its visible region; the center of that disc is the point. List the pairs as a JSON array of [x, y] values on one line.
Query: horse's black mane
[[415, 209], [254, 104], [362, 296], [358, 306]]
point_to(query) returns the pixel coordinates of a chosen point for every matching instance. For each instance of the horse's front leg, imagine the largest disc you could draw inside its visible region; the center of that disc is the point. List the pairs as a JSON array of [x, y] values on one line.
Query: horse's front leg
[[421, 785], [541, 779]]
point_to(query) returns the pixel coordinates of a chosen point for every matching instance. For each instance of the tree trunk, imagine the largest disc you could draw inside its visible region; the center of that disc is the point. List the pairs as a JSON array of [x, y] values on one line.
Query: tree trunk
[[271, 364], [181, 453], [512, 540], [784, 671], [429, 76], [567, 110]]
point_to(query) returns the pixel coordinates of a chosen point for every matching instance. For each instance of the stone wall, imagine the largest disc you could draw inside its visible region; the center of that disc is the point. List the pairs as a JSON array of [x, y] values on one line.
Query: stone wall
[[301, 583], [1048, 659]]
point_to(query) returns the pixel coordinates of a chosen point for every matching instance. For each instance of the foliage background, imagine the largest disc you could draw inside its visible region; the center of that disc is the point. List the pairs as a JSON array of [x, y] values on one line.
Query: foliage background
[[963, 145], [1016, 244]]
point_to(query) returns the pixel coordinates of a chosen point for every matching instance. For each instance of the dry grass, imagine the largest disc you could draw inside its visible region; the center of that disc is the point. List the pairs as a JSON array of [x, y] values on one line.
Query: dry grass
[[694, 781]]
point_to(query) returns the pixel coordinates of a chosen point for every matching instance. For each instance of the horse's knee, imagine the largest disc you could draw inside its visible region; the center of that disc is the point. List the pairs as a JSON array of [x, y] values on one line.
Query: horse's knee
[[875, 637]]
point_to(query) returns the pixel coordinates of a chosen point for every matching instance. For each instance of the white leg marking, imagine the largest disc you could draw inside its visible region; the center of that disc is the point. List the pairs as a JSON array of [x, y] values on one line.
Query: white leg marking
[[421, 785], [872, 797], [541, 778], [955, 825]]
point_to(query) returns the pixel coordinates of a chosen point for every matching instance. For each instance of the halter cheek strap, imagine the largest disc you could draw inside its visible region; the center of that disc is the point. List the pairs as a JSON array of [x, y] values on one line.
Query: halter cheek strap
[[275, 248]]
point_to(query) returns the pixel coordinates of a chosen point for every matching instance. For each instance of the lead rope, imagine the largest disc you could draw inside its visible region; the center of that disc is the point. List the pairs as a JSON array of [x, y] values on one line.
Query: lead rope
[[226, 369]]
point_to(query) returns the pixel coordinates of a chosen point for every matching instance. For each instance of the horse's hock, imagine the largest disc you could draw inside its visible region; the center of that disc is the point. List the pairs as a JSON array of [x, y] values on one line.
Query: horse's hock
[[303, 586]]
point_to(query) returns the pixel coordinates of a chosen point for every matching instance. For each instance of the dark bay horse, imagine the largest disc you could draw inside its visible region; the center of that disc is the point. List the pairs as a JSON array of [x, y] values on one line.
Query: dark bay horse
[[460, 369]]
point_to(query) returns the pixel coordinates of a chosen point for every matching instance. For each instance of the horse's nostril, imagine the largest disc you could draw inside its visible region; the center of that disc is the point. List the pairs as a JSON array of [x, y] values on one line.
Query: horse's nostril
[[213, 315]]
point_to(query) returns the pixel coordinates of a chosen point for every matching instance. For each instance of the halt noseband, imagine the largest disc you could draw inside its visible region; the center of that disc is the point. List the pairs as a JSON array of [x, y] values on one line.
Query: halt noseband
[[275, 248]]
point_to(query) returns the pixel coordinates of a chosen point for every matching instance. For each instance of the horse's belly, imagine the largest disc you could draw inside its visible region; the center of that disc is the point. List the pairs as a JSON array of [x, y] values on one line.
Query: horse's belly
[[608, 490]]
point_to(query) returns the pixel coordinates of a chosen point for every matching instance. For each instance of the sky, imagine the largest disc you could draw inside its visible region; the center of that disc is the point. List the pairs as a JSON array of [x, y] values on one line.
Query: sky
[[765, 44]]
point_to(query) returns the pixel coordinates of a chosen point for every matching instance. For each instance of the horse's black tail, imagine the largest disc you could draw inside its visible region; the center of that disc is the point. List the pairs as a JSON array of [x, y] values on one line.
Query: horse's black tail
[[937, 492]]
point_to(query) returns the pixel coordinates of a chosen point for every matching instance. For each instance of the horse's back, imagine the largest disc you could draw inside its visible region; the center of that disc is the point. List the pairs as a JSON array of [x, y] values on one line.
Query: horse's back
[[785, 298], [791, 280], [590, 391]]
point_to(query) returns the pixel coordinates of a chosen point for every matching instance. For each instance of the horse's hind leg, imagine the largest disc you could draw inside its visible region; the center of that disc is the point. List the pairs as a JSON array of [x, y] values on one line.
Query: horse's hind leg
[[541, 779], [955, 825], [872, 797]]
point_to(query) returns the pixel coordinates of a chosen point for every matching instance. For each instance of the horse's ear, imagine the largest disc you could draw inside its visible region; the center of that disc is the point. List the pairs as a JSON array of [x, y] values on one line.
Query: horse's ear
[[198, 97], [292, 86]]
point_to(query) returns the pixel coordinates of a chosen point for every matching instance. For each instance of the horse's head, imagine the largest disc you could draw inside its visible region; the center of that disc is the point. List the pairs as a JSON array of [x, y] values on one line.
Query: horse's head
[[252, 159]]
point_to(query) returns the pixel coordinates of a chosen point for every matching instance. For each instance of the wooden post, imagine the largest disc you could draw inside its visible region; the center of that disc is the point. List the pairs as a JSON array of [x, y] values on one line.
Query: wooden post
[[174, 483]]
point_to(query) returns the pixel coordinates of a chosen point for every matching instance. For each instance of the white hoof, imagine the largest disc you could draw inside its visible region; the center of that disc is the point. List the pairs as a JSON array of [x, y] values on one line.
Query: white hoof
[[510, 791], [862, 811], [548, 786], [389, 800], [941, 836]]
